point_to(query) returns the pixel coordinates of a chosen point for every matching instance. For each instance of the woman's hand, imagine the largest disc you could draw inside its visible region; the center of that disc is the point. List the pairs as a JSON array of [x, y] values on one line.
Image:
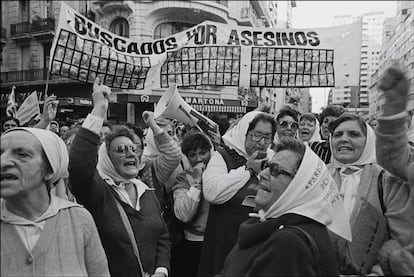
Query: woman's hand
[[195, 177], [255, 164], [149, 120], [395, 86], [100, 98]]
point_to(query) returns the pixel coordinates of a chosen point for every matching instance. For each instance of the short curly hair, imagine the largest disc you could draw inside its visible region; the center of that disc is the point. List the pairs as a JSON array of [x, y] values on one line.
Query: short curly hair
[[118, 131]]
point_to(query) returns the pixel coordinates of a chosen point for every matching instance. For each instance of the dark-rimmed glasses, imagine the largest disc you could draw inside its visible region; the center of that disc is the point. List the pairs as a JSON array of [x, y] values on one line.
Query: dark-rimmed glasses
[[275, 170], [256, 137], [285, 124], [123, 149]]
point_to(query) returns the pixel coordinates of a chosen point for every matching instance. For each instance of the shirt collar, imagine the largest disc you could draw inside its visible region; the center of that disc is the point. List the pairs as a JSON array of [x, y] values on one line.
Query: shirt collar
[[56, 204]]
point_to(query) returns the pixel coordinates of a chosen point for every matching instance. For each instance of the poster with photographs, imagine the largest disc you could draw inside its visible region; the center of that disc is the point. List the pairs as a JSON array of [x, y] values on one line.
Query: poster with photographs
[[209, 54], [206, 65], [84, 60], [291, 67]]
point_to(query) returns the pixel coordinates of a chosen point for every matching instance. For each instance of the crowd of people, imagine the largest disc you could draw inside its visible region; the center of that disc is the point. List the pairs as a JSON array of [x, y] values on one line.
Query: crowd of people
[[291, 194]]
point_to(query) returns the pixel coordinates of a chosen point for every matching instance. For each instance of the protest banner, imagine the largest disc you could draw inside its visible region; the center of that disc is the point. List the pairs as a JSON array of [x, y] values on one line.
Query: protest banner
[[209, 53], [29, 109]]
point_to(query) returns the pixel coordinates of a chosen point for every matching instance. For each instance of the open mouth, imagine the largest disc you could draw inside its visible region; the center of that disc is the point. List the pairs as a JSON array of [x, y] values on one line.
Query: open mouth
[[131, 164], [344, 149], [8, 177]]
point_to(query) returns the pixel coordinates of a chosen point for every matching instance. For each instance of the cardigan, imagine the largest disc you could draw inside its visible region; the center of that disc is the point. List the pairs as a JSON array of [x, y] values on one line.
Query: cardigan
[[394, 152], [373, 223], [69, 245], [190, 207], [270, 248], [95, 194]]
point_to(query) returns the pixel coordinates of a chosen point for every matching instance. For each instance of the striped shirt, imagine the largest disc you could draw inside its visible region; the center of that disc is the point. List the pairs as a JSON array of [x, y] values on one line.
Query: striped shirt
[[322, 149]]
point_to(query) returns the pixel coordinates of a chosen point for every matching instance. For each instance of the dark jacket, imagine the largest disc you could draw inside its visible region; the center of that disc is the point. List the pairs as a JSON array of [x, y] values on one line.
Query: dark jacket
[[224, 220], [96, 195], [271, 248]]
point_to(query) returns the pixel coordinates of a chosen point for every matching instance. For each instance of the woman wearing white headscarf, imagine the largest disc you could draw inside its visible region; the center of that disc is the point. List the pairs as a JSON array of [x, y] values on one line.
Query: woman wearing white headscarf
[[230, 184], [297, 203], [41, 234], [379, 206], [105, 180], [309, 128]]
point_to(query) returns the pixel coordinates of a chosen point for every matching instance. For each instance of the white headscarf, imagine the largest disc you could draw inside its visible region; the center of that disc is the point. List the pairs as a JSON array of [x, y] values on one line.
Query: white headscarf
[[314, 194], [235, 138], [350, 182], [55, 150], [108, 172]]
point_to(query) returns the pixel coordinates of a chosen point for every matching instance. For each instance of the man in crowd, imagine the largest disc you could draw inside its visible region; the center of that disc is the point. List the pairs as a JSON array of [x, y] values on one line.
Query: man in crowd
[[9, 122], [322, 148]]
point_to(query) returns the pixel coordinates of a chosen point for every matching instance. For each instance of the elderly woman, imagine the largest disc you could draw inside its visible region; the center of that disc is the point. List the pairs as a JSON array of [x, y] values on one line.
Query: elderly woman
[[379, 206], [287, 124], [230, 184], [309, 128], [126, 210], [190, 207], [298, 203], [41, 234]]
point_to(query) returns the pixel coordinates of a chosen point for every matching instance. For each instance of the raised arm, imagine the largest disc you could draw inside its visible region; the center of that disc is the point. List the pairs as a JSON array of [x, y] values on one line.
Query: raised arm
[[170, 153], [393, 150], [84, 180]]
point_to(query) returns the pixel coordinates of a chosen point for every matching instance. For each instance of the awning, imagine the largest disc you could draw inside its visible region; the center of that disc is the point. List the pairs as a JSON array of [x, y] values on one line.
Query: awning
[[219, 108]]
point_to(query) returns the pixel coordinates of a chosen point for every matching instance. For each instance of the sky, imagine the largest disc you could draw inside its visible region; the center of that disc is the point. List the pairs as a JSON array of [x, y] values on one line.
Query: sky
[[314, 14]]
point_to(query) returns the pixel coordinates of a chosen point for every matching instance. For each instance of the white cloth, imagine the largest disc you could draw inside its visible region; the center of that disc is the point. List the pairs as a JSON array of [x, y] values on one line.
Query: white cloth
[[314, 194], [29, 231], [236, 137], [108, 172], [55, 150], [316, 136], [350, 182], [349, 189], [151, 150], [220, 185]]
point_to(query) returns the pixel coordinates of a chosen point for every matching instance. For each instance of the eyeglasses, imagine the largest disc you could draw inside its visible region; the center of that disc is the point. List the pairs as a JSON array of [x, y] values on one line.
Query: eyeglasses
[[124, 149], [256, 137], [275, 170], [285, 124]]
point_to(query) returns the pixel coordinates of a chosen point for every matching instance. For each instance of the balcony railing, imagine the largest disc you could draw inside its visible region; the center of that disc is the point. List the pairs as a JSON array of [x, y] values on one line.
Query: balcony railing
[[25, 75], [39, 25], [43, 24], [20, 28]]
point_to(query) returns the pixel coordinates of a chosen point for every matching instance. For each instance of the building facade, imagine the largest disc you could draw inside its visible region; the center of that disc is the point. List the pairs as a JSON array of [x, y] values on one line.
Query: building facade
[[354, 95], [29, 28], [398, 45]]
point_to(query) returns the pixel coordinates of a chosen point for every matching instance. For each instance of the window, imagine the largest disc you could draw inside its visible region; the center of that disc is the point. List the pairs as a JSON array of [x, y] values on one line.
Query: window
[[26, 61], [120, 26], [170, 28], [24, 10], [46, 55]]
